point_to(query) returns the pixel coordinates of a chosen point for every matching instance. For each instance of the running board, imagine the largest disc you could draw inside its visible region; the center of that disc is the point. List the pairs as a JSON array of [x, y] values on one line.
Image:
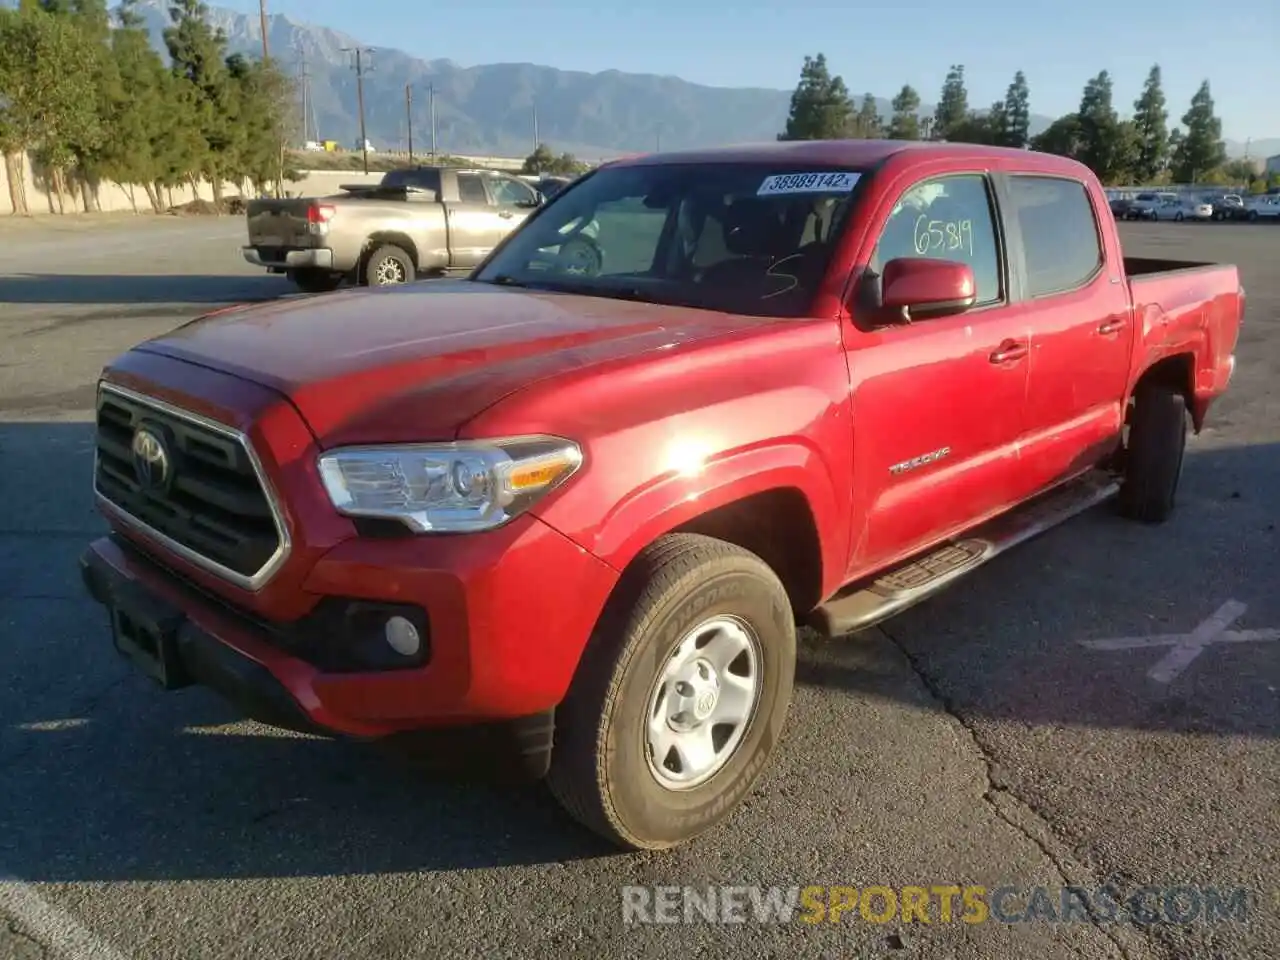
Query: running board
[[865, 604]]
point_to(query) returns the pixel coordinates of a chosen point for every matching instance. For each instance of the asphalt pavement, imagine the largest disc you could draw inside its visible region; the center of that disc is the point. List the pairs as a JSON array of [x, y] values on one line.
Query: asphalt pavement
[[994, 736]]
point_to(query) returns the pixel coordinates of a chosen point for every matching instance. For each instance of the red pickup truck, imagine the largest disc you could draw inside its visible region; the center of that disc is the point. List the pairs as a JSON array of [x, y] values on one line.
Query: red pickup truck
[[589, 492]]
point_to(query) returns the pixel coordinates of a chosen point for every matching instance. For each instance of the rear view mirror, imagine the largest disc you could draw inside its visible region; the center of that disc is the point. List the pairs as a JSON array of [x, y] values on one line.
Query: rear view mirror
[[912, 286]]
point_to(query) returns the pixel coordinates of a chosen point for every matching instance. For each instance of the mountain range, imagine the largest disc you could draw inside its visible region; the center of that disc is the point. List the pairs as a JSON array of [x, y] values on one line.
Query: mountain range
[[493, 109]]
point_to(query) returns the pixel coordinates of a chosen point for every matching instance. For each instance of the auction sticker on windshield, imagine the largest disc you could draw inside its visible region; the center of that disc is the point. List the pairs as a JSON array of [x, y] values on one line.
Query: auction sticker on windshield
[[820, 182]]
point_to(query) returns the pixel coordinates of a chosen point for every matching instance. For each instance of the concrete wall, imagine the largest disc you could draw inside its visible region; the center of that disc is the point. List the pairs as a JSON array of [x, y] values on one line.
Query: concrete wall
[[114, 198]]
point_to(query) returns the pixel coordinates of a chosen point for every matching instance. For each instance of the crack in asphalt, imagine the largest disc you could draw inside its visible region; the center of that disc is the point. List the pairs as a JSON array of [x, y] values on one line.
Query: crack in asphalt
[[994, 789], [15, 932]]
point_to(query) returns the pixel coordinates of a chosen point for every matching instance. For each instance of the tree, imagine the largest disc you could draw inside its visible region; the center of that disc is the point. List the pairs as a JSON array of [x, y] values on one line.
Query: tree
[[1150, 121], [1016, 115], [1102, 145], [953, 106], [543, 161], [198, 55], [984, 128], [820, 106], [905, 122], [1201, 148], [140, 113], [867, 123], [1063, 137], [48, 97], [87, 145], [262, 98]]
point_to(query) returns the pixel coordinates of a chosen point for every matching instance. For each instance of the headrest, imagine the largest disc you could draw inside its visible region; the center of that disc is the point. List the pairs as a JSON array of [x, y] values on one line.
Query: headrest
[[751, 227]]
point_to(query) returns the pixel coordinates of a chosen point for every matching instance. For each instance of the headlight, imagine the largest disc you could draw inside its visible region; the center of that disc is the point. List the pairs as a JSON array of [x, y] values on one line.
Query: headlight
[[448, 487]]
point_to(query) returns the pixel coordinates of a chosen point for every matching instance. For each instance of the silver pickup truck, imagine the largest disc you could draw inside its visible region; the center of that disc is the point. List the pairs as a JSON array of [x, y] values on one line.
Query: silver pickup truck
[[415, 222]]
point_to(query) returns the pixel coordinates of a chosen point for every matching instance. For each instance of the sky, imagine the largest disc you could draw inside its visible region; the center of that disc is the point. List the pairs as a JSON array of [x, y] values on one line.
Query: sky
[[875, 47]]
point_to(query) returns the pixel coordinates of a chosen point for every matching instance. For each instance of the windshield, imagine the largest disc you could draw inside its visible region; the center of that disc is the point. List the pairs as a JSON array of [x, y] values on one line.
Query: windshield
[[751, 239]]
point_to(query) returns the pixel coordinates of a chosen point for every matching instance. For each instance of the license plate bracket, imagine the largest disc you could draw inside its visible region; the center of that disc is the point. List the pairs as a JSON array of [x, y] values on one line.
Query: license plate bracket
[[145, 631]]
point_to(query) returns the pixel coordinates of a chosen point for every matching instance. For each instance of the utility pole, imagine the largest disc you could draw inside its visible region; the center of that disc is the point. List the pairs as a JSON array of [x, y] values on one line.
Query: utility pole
[[266, 59], [408, 115], [431, 92], [360, 70], [536, 142], [262, 19]]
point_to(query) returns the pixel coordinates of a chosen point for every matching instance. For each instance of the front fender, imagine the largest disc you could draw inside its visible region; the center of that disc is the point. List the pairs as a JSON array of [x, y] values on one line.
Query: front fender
[[681, 495]]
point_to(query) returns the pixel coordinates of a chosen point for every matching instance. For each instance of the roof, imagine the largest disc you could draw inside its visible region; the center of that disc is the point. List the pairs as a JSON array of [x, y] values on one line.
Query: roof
[[846, 153]]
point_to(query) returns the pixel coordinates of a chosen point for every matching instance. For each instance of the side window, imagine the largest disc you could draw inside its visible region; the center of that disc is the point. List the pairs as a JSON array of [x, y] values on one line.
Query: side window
[[1060, 237], [947, 218], [471, 190], [507, 192]]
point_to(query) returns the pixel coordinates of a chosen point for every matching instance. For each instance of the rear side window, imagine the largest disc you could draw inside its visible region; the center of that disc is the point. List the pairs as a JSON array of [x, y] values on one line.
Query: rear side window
[[1059, 233], [471, 190]]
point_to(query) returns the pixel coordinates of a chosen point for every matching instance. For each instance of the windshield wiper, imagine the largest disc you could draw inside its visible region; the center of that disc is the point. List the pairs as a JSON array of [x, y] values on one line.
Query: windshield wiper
[[505, 280]]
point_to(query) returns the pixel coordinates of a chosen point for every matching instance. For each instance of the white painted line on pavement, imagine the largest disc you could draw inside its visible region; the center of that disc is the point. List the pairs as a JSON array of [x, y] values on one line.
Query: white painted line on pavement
[[1188, 646], [51, 927]]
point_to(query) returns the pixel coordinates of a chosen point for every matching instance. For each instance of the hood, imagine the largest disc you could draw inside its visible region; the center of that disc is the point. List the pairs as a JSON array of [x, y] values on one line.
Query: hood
[[419, 360]]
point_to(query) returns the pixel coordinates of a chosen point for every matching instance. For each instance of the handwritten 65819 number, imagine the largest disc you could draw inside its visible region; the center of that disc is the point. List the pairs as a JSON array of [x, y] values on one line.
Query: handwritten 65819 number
[[943, 236]]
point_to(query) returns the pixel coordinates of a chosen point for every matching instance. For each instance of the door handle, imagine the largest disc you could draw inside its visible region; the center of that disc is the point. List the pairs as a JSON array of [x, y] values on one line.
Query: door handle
[[505, 214], [1112, 326], [1009, 350]]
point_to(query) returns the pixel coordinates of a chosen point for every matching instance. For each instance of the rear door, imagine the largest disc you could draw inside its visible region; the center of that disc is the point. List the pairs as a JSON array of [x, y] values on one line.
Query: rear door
[[1078, 303], [474, 225], [937, 403]]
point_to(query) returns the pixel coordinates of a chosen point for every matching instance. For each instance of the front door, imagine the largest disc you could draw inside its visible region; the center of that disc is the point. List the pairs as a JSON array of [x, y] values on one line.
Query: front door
[[1083, 337], [514, 199], [937, 403]]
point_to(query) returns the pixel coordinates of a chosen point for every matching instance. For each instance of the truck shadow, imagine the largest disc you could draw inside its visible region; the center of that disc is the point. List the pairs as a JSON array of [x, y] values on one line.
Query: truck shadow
[[107, 779], [105, 289]]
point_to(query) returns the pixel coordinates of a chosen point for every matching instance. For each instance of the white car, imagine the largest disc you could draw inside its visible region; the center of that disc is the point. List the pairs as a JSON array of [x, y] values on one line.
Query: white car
[[1265, 207], [1193, 208]]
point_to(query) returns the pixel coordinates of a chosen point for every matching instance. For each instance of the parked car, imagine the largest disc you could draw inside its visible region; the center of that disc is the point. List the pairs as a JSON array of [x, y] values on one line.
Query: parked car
[[1193, 208], [1121, 206], [588, 492], [414, 222], [1229, 207], [1155, 206], [1264, 207]]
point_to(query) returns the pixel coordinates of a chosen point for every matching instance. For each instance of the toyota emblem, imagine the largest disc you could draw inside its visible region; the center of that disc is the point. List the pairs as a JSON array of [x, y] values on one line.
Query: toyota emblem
[[150, 459]]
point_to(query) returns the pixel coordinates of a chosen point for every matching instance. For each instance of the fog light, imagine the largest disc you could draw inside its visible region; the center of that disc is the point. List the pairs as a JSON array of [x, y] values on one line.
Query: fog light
[[402, 636]]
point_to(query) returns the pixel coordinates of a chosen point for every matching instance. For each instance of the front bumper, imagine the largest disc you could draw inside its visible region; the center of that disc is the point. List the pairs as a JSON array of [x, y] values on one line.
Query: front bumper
[[503, 638], [283, 258]]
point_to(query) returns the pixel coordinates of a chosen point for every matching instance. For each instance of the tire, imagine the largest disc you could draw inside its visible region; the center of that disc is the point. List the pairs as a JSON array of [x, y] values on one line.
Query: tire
[[388, 266], [1252, 216], [602, 771], [1178, 216], [1155, 453], [315, 281]]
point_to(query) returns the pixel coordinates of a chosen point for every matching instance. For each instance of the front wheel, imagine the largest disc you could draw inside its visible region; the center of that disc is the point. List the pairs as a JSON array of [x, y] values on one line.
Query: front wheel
[[680, 697]]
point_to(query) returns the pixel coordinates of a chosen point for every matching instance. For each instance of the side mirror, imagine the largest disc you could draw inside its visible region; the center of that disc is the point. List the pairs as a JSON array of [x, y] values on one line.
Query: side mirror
[[910, 286]]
